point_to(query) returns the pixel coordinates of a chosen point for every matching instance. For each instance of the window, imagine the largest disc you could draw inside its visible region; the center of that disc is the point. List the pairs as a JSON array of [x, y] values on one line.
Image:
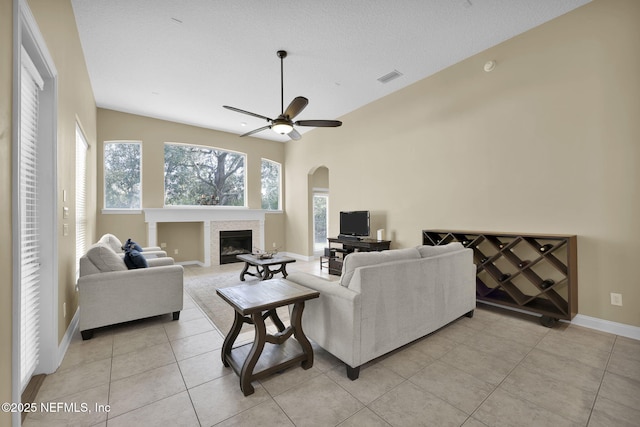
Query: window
[[320, 221], [81, 196], [122, 175], [271, 185], [196, 175], [30, 239]]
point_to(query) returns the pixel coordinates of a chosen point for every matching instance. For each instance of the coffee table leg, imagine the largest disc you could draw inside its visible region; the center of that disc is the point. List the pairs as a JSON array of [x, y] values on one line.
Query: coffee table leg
[[268, 274], [283, 268], [273, 314], [298, 333], [254, 354], [231, 338], [244, 271]]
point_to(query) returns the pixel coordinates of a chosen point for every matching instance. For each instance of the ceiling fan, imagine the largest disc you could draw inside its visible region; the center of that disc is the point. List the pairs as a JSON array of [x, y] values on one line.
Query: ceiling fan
[[284, 123]]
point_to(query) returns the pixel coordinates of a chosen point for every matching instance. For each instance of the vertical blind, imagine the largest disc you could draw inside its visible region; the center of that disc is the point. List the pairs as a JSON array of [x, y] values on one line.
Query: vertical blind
[[81, 196], [31, 85]]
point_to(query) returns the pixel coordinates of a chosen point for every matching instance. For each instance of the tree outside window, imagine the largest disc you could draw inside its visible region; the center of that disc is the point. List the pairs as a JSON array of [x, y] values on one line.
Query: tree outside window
[[196, 175], [270, 185], [122, 177]]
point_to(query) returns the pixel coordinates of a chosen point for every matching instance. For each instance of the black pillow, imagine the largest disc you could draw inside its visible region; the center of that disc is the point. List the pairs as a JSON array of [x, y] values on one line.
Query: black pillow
[[134, 259], [131, 245]]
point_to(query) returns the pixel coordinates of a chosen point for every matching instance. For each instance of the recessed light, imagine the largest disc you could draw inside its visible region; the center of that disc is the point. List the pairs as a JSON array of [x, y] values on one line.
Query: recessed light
[[489, 66], [243, 123]]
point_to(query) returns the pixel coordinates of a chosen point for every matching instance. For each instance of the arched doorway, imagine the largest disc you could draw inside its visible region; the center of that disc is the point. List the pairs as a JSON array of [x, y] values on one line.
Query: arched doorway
[[320, 208]]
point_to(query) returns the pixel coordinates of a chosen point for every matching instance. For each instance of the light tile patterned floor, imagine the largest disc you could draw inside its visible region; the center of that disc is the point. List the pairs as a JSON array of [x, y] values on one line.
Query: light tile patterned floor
[[495, 369]]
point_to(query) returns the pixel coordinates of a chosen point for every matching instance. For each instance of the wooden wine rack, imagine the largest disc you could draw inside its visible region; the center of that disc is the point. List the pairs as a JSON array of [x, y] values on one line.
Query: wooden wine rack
[[533, 272]]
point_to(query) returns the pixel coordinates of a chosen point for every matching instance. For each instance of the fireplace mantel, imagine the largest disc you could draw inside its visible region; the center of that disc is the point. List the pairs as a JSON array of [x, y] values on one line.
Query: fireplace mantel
[[209, 216]]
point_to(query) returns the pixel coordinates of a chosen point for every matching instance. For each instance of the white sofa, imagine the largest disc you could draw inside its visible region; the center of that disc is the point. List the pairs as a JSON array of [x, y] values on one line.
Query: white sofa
[[109, 293], [387, 299], [116, 244]]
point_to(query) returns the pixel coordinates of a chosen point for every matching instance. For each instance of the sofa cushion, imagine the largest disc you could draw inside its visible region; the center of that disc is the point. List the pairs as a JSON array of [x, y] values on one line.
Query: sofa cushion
[[360, 259], [427, 251], [105, 259]]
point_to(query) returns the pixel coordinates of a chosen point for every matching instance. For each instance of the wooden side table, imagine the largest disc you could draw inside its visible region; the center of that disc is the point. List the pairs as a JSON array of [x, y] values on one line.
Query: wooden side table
[[253, 303]]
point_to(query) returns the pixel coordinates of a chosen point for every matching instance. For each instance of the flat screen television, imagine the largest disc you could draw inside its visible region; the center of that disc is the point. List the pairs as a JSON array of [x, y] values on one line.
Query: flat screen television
[[354, 223]]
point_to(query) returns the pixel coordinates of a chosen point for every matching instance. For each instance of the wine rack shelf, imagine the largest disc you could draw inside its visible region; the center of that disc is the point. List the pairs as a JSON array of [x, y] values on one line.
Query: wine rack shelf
[[533, 272]]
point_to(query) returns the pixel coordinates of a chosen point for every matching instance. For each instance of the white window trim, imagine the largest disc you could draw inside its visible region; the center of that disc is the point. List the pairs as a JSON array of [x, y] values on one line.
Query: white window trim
[[279, 185], [121, 211], [208, 147]]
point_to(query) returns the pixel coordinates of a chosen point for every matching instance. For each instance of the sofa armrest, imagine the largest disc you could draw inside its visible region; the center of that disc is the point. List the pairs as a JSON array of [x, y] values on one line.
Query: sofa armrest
[[159, 262], [154, 254], [333, 319]]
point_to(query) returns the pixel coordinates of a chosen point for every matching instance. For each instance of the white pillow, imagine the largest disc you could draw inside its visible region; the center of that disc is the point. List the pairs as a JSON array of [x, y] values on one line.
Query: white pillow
[[103, 257], [112, 241], [427, 251]]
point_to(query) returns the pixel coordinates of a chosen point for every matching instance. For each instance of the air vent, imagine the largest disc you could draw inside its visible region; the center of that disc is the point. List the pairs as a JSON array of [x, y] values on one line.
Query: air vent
[[390, 76]]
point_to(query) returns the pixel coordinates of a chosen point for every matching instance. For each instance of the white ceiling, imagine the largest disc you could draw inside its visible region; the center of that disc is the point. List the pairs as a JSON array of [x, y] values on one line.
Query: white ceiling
[[183, 60]]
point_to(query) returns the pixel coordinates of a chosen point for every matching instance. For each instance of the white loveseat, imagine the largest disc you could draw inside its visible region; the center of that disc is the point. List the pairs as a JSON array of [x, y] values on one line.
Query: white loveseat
[[109, 293], [387, 299]]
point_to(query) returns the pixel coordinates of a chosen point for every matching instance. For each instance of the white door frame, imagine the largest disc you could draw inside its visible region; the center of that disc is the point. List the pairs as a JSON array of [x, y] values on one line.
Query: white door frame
[[26, 33]]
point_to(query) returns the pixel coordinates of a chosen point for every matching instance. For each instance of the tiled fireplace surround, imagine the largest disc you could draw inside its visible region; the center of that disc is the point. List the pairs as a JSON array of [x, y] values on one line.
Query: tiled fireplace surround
[[215, 220]]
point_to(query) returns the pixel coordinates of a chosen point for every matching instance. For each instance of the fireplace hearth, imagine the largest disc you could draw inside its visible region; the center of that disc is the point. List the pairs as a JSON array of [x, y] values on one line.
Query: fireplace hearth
[[234, 242]]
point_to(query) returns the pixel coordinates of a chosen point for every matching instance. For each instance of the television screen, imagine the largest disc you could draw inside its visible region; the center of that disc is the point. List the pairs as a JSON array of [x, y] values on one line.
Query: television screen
[[354, 223]]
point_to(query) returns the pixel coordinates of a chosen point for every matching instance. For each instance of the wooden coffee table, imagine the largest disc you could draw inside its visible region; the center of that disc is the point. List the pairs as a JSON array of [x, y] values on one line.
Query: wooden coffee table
[[253, 303], [263, 270]]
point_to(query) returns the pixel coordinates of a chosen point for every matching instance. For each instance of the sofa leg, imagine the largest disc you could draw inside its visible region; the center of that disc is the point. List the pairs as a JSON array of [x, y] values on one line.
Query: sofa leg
[[87, 335], [176, 315], [353, 373], [469, 314]]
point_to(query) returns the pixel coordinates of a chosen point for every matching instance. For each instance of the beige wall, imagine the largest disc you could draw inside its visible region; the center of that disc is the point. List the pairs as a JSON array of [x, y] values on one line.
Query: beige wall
[[6, 266], [547, 142], [153, 133], [75, 104]]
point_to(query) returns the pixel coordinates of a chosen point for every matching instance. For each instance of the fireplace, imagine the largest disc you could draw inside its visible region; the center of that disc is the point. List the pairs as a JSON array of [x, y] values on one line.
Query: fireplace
[[232, 243]]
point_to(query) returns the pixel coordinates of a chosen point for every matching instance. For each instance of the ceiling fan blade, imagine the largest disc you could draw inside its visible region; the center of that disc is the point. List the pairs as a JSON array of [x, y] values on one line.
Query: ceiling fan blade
[[247, 112], [319, 123], [294, 135], [256, 130], [297, 105]]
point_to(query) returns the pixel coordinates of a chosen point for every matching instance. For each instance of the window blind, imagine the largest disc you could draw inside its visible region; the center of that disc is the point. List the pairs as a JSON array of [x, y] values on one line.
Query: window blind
[[81, 196], [31, 85]]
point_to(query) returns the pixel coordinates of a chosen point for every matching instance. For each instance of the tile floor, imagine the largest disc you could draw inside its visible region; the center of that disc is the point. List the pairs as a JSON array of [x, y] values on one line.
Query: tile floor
[[495, 369]]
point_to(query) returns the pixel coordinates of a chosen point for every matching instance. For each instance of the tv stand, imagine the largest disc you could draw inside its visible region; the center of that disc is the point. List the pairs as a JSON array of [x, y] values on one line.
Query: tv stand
[[348, 237], [351, 244]]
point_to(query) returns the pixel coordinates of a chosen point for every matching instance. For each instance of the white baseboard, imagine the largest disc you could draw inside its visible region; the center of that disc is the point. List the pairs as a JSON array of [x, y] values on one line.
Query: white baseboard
[[616, 328], [199, 263], [68, 335]]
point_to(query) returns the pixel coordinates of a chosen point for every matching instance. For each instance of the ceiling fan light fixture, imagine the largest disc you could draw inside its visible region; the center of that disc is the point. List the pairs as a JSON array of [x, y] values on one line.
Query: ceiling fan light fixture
[[282, 128]]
